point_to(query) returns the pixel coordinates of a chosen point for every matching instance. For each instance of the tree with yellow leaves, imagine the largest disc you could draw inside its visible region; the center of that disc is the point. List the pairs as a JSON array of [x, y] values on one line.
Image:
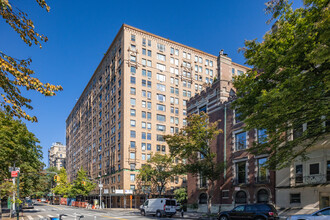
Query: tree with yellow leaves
[[15, 74]]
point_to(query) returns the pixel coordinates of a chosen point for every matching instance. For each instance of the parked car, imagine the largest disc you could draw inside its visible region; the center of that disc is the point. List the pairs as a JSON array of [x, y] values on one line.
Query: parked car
[[27, 204], [323, 214], [250, 211], [42, 200], [159, 207]]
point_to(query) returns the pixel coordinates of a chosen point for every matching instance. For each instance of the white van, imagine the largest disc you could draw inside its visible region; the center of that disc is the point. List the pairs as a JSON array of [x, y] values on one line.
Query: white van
[[159, 207]]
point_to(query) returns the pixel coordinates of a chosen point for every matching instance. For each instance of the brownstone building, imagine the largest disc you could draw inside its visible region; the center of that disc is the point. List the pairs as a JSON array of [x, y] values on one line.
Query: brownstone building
[[245, 179]]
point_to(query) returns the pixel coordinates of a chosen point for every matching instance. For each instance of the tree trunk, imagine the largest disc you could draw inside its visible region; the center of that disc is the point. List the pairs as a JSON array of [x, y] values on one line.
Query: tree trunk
[[0, 209], [209, 197]]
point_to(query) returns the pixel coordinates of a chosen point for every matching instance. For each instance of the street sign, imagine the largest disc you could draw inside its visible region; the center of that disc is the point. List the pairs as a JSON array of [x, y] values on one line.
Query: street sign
[[14, 169], [119, 191], [14, 173], [128, 191]]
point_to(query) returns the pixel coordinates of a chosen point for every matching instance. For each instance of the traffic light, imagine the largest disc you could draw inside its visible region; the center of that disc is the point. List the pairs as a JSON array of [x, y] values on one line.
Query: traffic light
[[56, 178], [83, 183]]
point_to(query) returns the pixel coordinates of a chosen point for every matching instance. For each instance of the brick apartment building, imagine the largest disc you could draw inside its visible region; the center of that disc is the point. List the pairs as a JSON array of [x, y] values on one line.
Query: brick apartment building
[[138, 93], [245, 180]]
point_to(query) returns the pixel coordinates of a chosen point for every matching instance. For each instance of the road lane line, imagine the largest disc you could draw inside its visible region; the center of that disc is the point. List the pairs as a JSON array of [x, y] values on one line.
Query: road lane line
[[113, 217]]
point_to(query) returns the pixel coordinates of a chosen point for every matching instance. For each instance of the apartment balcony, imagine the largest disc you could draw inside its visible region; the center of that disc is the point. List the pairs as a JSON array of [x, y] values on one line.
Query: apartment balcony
[[262, 180], [240, 181], [310, 180]]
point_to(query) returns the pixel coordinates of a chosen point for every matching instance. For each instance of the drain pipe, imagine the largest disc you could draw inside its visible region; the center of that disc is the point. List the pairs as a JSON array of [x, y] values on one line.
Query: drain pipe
[[225, 141]]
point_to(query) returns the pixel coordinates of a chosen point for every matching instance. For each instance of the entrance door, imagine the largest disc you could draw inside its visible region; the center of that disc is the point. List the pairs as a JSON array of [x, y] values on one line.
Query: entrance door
[[324, 201]]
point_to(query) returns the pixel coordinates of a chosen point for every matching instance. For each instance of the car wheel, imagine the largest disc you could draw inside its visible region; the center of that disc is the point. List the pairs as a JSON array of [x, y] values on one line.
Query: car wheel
[[143, 213], [223, 218], [158, 214]]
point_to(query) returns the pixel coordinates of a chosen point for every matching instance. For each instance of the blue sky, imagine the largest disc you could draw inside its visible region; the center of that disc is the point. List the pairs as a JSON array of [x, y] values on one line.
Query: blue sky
[[80, 32]]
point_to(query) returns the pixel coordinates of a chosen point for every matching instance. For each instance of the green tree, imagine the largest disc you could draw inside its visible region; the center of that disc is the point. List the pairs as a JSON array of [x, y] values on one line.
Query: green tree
[[157, 172], [81, 185], [289, 83], [15, 73], [6, 189], [63, 187], [193, 144], [181, 195], [19, 146]]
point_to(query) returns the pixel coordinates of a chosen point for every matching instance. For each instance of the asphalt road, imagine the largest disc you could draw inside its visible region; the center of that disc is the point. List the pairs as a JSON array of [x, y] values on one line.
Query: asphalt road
[[42, 210]]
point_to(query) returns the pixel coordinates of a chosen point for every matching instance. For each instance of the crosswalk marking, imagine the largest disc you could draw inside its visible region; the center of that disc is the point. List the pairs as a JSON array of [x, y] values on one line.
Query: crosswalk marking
[[50, 216], [40, 216], [29, 217]]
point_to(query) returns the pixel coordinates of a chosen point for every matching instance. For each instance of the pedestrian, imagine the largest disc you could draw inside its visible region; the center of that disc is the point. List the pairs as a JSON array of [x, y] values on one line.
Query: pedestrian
[[182, 212]]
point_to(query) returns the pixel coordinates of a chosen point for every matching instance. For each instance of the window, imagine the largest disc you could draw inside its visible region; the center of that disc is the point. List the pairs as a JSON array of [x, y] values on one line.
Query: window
[[133, 134], [132, 166], [200, 60], [132, 155], [149, 53], [161, 127], [262, 170], [202, 198], [133, 102], [148, 156], [144, 51], [143, 146], [133, 69], [143, 124], [149, 126], [148, 146], [211, 63], [176, 52], [148, 136], [240, 141], [133, 81], [132, 37], [144, 114], [161, 87], [262, 136], [160, 138], [133, 123], [188, 56], [143, 104], [144, 135], [132, 144], [133, 91], [161, 117], [184, 54], [225, 194], [149, 105], [299, 173], [241, 172], [143, 156], [143, 42], [239, 72], [172, 50], [149, 43], [176, 62], [295, 198], [161, 77], [132, 177], [149, 63], [233, 71], [196, 58], [161, 47], [161, 67], [133, 58], [161, 97], [207, 62], [161, 57], [149, 84], [314, 169], [161, 107], [263, 197]]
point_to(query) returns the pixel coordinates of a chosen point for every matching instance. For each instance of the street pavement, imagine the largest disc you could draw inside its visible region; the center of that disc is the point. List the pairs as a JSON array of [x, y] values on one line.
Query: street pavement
[[46, 211]]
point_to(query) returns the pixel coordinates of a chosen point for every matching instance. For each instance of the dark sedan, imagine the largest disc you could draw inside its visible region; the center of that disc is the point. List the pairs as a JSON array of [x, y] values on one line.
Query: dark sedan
[[250, 211]]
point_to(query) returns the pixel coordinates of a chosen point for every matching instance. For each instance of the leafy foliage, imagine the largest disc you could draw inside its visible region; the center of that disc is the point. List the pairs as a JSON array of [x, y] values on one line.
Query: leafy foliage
[[46, 181], [193, 144], [15, 73], [289, 84], [157, 172], [78, 188], [63, 187], [181, 195], [20, 146]]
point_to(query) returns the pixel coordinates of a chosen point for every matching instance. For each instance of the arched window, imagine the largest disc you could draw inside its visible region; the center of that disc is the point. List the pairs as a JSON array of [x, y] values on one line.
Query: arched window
[[240, 197], [203, 198], [262, 196]]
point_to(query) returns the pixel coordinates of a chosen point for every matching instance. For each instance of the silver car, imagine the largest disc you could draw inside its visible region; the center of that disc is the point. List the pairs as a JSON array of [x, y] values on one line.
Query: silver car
[[323, 214]]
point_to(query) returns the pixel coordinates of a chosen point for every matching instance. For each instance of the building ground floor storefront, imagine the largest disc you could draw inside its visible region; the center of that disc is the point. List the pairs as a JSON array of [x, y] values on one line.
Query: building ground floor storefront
[[305, 198]]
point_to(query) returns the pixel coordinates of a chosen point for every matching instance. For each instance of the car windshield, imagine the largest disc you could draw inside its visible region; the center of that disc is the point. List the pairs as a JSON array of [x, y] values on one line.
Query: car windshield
[[239, 208]]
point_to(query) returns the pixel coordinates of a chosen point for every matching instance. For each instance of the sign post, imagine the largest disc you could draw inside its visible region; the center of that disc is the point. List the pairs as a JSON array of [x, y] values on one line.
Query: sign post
[[130, 200]]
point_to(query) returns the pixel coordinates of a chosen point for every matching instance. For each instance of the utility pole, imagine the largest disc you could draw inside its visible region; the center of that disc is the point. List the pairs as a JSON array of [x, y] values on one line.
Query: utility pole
[[100, 187], [17, 196]]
